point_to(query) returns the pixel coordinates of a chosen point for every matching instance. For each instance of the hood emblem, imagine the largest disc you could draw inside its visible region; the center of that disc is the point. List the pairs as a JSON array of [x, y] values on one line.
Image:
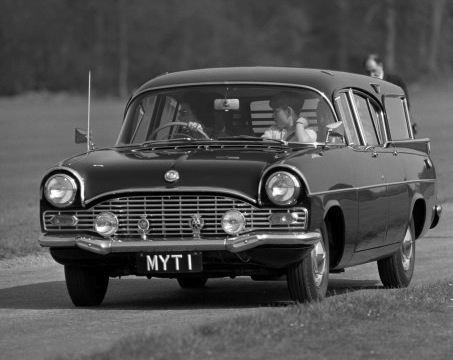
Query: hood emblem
[[171, 176], [196, 223]]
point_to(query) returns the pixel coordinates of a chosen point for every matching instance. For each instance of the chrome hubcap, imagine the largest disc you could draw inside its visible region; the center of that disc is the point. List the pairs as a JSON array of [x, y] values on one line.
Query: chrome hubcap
[[318, 261], [407, 250]]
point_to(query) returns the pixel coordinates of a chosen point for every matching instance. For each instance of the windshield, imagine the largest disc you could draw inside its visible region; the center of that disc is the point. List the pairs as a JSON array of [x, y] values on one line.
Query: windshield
[[227, 112]]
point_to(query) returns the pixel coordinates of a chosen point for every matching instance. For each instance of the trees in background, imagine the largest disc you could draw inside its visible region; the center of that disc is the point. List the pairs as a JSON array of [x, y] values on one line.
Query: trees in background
[[51, 44]]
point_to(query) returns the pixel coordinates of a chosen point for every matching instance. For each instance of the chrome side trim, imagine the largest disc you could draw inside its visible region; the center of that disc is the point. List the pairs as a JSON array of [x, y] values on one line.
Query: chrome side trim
[[234, 245], [372, 186]]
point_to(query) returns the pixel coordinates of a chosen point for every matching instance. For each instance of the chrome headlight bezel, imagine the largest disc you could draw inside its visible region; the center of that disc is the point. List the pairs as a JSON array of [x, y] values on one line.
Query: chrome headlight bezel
[[283, 188], [60, 190]]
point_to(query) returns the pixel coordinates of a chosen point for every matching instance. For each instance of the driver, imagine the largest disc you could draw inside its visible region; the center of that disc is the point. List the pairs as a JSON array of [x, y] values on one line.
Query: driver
[[186, 114]]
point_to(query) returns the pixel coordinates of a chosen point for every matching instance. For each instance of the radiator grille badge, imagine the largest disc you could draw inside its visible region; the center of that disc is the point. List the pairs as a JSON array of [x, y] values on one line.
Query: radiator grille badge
[[143, 227], [196, 223]]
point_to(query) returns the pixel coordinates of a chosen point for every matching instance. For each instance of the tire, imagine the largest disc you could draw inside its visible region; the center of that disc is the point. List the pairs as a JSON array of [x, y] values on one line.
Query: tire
[[86, 286], [192, 282], [396, 271], [308, 279]]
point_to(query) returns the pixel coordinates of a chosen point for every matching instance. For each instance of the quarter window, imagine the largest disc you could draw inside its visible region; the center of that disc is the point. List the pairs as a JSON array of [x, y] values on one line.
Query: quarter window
[[396, 118]]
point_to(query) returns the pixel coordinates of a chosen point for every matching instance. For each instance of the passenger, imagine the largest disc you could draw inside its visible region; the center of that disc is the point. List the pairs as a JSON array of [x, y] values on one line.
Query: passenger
[[288, 125]]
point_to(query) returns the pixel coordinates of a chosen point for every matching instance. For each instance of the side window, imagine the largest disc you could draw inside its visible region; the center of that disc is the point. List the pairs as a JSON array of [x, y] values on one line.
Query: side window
[[168, 116], [143, 118], [396, 118], [368, 120], [262, 117], [346, 116]]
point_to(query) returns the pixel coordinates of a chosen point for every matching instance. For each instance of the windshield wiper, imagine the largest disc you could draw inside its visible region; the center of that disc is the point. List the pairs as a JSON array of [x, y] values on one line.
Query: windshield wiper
[[251, 138], [154, 142]]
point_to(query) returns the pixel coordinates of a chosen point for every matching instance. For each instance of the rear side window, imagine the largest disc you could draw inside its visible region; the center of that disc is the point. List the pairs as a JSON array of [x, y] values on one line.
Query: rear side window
[[396, 117], [368, 120]]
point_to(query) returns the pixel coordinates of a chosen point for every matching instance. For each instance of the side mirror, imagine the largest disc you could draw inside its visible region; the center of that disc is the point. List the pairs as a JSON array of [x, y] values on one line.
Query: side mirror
[[81, 137], [335, 133]]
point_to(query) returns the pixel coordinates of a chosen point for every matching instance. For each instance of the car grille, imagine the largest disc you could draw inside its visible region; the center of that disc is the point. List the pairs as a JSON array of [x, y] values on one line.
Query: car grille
[[170, 216]]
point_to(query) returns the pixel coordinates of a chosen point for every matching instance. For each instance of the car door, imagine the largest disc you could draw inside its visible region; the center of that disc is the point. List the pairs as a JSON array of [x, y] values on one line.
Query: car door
[[368, 175], [391, 209]]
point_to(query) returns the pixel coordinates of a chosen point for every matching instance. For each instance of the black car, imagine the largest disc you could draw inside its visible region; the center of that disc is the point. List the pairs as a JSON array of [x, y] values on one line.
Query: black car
[[204, 182]]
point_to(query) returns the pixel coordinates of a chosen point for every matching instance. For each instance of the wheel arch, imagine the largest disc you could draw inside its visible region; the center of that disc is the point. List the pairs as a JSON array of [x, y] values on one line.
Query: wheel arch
[[419, 216], [335, 223]]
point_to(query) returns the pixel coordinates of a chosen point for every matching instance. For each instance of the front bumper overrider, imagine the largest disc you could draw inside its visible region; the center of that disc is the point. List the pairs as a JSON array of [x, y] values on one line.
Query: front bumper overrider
[[233, 245]]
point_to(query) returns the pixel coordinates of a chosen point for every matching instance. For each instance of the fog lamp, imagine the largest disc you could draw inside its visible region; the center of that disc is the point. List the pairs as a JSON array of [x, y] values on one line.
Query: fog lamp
[[233, 222], [106, 223]]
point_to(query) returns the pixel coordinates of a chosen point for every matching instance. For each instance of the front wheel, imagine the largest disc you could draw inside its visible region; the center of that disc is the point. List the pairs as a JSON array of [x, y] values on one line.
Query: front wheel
[[308, 279], [86, 286], [396, 271]]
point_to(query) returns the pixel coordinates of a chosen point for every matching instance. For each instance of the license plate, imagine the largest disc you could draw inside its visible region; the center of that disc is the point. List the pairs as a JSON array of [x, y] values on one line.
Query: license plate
[[169, 262]]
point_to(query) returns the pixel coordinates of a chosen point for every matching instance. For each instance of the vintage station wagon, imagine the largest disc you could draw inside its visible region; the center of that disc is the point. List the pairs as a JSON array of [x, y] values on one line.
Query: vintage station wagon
[[195, 188]]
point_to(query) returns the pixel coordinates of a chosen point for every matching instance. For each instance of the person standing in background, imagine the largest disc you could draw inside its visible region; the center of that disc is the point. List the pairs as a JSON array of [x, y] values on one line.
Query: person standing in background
[[374, 67]]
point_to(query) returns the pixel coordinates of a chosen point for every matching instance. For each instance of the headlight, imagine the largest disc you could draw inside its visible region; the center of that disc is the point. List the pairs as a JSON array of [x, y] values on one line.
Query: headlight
[[60, 190], [233, 222], [106, 223], [283, 188]]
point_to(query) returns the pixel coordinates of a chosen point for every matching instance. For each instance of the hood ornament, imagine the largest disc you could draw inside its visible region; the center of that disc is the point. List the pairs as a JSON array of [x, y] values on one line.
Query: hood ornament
[[171, 176], [196, 223]]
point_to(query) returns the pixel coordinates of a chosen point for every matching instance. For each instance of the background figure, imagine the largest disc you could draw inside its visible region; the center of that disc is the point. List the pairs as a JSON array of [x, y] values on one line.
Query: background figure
[[374, 67]]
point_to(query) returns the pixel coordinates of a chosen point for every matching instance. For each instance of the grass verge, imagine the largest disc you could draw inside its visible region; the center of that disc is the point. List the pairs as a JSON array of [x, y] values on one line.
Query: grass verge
[[391, 324]]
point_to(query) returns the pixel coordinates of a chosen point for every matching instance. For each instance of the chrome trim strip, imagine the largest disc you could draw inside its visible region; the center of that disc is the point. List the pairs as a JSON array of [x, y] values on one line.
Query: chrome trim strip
[[373, 186], [191, 190], [234, 245]]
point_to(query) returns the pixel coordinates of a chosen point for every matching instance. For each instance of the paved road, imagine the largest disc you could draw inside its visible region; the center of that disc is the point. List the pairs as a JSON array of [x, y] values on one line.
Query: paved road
[[38, 321]]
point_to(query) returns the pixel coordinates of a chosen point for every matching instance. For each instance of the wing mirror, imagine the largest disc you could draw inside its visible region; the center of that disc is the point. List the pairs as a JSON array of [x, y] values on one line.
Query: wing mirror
[[335, 133], [83, 137]]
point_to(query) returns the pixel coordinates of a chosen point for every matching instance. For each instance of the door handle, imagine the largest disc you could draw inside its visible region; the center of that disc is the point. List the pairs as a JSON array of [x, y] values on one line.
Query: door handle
[[373, 151]]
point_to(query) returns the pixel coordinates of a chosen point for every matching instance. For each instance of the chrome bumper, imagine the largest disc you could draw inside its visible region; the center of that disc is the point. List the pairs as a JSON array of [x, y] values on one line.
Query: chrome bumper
[[234, 245]]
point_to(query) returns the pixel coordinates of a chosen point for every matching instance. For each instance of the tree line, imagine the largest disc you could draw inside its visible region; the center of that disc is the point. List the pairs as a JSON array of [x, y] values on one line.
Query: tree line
[[52, 44]]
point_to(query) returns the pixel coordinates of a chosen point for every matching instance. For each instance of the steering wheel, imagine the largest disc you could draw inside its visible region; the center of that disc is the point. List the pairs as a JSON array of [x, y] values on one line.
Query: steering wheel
[[180, 123]]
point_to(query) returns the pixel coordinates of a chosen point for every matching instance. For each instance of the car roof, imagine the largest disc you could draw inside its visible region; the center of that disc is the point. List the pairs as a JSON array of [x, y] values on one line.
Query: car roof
[[326, 81]]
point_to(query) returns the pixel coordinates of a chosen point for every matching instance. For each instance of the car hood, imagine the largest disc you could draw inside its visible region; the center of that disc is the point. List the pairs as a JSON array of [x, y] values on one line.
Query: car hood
[[201, 169]]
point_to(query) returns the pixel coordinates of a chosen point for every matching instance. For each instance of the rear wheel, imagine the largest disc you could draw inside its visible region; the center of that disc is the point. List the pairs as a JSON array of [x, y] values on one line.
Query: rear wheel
[[86, 286], [192, 282], [308, 279], [396, 271]]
